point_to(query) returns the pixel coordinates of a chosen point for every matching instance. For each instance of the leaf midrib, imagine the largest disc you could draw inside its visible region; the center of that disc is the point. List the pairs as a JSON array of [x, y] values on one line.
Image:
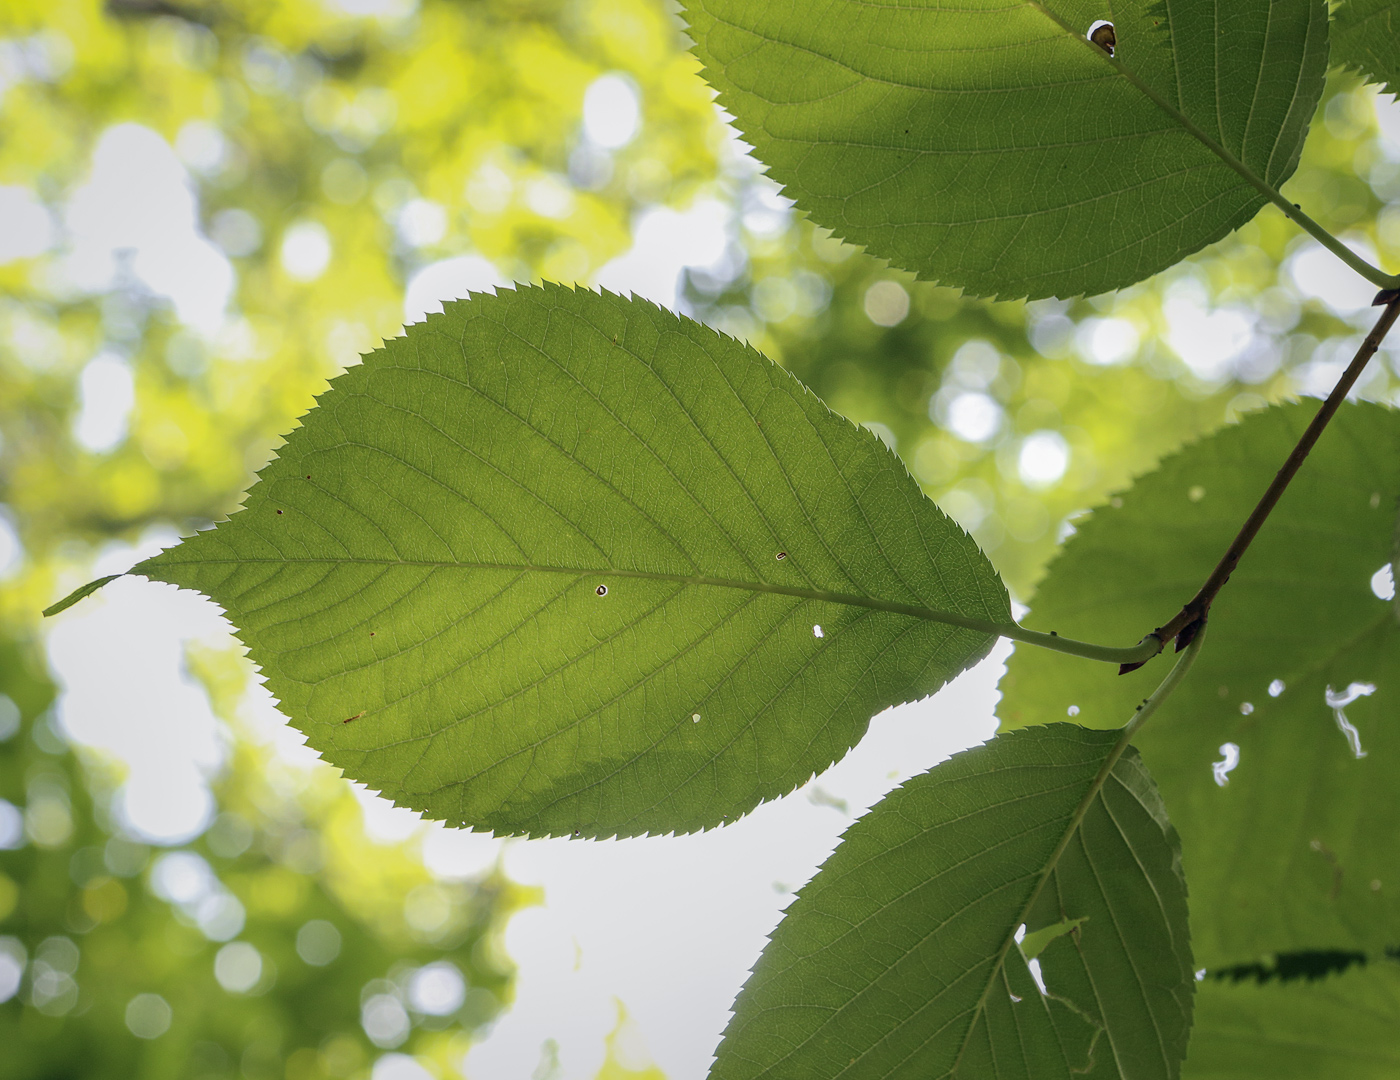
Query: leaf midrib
[[916, 611]]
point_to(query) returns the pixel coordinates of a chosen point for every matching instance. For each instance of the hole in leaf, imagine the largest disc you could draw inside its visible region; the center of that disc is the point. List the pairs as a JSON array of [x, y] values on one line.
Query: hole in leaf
[[817, 632], [780, 556], [1246, 708], [1383, 583], [1073, 710], [1339, 701], [1277, 687], [1101, 34], [1221, 769]]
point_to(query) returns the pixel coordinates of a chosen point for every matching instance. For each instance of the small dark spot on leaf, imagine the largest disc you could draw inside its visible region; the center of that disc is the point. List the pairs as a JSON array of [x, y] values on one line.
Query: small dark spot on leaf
[[355, 717], [601, 590], [1102, 35], [371, 633], [308, 476], [279, 511]]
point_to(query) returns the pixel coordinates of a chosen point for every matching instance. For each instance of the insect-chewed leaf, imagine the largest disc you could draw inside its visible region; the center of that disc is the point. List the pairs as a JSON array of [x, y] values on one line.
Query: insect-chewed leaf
[[553, 563], [990, 144], [898, 959], [1278, 757]]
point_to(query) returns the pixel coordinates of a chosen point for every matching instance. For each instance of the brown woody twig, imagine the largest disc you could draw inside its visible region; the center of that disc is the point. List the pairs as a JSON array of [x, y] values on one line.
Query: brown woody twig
[[1187, 622]]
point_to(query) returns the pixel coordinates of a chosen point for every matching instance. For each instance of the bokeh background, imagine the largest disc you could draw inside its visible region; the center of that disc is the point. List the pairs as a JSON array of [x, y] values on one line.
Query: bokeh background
[[207, 209]]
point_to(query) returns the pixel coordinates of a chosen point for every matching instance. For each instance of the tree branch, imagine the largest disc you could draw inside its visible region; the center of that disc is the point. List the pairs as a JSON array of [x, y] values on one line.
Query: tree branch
[[1187, 622]]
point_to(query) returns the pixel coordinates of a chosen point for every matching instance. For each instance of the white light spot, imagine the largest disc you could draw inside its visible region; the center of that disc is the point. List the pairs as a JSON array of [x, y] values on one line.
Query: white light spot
[[11, 827], [107, 392], [11, 559], [437, 989], [236, 231], [974, 418], [29, 227], [1277, 687], [664, 242], [695, 718], [1107, 341], [306, 250], [1339, 701], [12, 961], [138, 215], [220, 917], [318, 942], [399, 1067], [1196, 493], [202, 147], [1221, 769], [1317, 275], [1383, 583], [238, 966], [612, 111], [1207, 340], [818, 632], [1044, 458], [421, 222], [9, 711], [1073, 710], [448, 279], [886, 303], [1246, 708], [385, 1020], [148, 1016], [183, 878]]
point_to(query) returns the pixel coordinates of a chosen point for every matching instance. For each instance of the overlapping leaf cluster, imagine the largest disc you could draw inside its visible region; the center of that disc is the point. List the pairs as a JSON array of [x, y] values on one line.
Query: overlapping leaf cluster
[[561, 563]]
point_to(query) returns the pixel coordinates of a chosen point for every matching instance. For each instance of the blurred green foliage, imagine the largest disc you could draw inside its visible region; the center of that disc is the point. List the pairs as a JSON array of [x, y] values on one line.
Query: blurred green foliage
[[283, 942], [332, 155]]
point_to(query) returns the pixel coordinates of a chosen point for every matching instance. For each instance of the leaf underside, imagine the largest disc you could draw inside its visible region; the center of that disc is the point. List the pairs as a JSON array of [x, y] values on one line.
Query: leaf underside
[[516, 571], [897, 959], [1342, 1027], [1297, 850], [1366, 37], [987, 144]]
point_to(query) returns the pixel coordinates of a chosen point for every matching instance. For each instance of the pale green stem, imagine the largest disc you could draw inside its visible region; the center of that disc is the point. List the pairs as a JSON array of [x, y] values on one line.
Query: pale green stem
[[1373, 274]]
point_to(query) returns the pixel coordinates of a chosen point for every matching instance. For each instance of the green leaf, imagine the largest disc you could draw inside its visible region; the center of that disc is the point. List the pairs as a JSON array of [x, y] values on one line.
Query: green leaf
[[990, 145], [1297, 850], [558, 562], [1343, 1027], [1364, 35], [897, 959]]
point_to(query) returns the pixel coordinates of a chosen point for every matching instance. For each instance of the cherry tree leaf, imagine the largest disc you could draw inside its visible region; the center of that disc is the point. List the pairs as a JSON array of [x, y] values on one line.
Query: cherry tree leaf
[[558, 562], [991, 145], [899, 958]]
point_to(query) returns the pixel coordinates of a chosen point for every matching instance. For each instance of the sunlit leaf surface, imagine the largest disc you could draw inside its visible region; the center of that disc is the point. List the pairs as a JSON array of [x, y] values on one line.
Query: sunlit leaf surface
[[524, 570], [990, 145], [898, 960], [1277, 757]]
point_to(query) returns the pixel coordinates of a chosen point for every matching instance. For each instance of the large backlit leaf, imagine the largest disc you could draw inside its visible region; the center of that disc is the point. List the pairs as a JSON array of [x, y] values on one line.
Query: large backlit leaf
[[989, 144], [1366, 36], [1342, 1027], [1294, 848], [560, 562], [897, 959]]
